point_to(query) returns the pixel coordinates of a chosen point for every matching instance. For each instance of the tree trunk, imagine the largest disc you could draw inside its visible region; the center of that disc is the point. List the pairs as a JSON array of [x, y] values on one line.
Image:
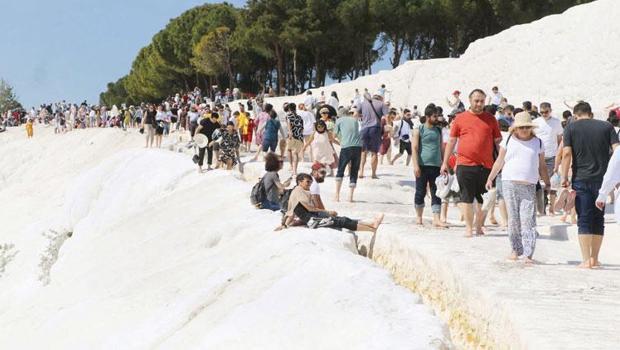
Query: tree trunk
[[295, 71], [279, 68]]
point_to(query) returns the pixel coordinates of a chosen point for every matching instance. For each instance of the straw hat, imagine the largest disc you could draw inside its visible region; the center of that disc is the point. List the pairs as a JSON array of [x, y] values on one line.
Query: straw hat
[[522, 119]]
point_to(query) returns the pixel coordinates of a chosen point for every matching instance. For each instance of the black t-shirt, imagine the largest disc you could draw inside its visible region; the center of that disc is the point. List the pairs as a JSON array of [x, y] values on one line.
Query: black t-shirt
[[208, 127], [591, 141], [150, 117]]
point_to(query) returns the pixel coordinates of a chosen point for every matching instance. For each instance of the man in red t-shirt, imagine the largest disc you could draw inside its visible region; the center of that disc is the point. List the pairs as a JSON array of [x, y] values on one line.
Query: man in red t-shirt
[[477, 134]]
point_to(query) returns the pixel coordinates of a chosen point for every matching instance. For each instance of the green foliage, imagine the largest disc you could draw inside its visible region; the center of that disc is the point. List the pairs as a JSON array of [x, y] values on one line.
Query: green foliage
[[8, 99], [296, 44]]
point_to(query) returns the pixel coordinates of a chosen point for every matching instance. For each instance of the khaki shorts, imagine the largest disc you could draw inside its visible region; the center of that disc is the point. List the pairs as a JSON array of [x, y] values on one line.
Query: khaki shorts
[[295, 145]]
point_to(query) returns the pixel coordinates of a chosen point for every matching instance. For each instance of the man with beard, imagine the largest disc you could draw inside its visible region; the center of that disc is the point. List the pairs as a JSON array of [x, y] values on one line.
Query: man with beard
[[477, 134], [318, 175], [427, 156]]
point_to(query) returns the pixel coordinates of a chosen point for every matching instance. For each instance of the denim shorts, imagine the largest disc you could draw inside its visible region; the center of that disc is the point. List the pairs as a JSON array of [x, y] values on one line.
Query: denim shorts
[[371, 139], [269, 145], [590, 220]]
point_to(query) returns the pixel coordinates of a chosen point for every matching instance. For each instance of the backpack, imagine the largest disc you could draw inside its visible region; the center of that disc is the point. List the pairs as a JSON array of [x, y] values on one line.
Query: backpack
[[258, 194], [284, 200]]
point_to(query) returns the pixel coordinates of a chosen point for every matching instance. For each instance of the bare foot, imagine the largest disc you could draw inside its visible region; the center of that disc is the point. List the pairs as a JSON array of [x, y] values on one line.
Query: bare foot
[[595, 264], [529, 261], [479, 232], [336, 199], [419, 222], [584, 265], [375, 177], [493, 221], [378, 221], [468, 234], [513, 256], [440, 225]]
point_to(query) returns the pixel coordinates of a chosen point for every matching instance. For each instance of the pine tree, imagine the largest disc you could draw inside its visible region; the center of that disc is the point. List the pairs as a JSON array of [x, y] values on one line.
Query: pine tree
[[8, 99]]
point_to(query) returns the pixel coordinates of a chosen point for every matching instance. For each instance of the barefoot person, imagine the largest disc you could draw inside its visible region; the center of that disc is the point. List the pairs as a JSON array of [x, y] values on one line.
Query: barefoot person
[[477, 133], [522, 162], [348, 134], [300, 206], [587, 142], [549, 130], [372, 111], [427, 156]]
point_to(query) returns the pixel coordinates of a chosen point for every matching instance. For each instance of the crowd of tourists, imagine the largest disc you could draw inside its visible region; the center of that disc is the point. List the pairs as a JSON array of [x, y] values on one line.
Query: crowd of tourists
[[521, 160]]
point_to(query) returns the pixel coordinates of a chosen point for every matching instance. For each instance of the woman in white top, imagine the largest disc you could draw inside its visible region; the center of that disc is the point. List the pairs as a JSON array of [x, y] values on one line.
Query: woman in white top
[[522, 162], [610, 181]]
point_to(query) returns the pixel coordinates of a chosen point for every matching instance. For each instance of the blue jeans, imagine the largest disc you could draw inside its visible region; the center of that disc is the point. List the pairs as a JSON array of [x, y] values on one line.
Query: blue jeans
[[590, 220], [270, 145], [267, 204], [354, 156], [427, 177]]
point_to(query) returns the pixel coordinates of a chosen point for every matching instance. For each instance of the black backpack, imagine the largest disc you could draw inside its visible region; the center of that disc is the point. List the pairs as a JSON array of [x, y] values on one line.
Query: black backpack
[[258, 194], [284, 200]]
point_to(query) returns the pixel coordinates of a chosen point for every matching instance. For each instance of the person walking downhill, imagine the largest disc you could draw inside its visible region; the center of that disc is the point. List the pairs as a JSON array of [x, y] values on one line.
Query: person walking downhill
[[587, 143], [372, 111], [428, 154], [549, 130], [348, 134], [321, 143], [522, 162], [295, 141], [404, 137], [149, 125], [477, 134], [207, 127]]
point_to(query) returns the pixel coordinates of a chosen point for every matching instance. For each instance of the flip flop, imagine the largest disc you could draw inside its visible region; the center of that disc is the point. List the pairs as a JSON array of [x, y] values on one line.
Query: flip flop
[[570, 201], [560, 203]]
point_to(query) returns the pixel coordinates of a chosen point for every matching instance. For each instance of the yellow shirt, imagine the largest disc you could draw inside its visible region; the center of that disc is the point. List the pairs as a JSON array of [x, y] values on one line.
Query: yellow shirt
[[243, 122]]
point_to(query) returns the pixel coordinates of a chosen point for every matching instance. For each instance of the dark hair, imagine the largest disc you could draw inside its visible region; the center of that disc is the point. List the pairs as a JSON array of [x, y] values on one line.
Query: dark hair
[[215, 115], [268, 107], [517, 111], [273, 114], [301, 177], [503, 125], [491, 109], [423, 119], [320, 122], [566, 114], [582, 108], [613, 118], [285, 106], [272, 162], [236, 113], [230, 124], [527, 105], [510, 107], [291, 107], [334, 94], [406, 110], [545, 105], [439, 110], [430, 110], [474, 91]]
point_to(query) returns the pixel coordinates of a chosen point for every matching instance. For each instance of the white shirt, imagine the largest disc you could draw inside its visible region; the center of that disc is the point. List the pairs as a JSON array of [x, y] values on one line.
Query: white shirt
[[496, 99], [334, 102], [309, 120], [521, 161], [404, 131], [314, 188], [611, 179], [309, 101], [193, 116], [548, 131]]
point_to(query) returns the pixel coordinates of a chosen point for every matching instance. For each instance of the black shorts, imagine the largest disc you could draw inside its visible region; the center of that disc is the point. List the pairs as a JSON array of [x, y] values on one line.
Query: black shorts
[[472, 181], [404, 146]]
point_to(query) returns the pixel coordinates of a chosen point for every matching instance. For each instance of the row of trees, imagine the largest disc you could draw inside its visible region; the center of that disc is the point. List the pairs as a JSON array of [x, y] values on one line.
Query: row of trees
[[296, 44], [8, 99]]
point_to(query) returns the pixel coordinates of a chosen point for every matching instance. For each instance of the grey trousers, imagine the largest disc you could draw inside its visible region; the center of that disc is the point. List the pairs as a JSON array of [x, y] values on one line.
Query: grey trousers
[[521, 205]]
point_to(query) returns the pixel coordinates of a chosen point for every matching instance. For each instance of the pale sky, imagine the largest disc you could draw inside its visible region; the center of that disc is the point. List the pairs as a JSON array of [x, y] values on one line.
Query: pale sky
[[53, 50]]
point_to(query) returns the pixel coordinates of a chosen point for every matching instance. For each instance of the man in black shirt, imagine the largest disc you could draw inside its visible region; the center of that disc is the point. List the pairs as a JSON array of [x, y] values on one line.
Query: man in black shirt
[[206, 127], [587, 143]]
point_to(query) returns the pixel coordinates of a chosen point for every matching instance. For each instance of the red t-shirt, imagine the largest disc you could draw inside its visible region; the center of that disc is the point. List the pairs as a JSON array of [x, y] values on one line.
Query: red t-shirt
[[477, 134]]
